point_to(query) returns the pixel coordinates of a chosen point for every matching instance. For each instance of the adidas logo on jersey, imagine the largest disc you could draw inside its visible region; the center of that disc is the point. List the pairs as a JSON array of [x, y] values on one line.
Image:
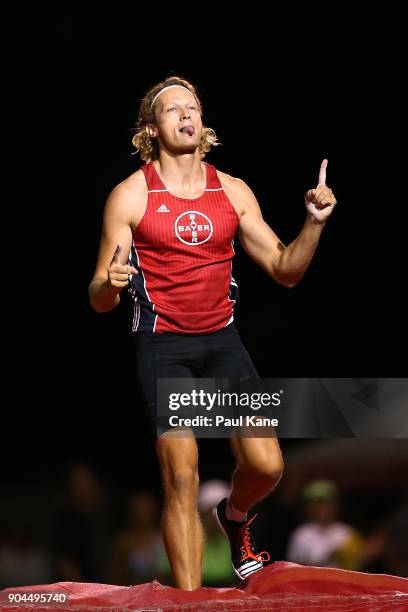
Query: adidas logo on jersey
[[162, 208]]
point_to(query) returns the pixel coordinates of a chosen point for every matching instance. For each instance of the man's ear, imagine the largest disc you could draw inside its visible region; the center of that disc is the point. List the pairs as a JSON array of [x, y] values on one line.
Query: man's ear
[[151, 130]]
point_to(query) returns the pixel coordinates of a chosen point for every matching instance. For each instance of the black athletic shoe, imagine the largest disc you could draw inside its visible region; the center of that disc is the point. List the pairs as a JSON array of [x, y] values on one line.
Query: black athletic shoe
[[244, 556]]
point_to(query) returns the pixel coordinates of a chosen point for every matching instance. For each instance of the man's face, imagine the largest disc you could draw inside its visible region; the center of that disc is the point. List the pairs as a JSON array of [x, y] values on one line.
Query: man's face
[[322, 511], [178, 121]]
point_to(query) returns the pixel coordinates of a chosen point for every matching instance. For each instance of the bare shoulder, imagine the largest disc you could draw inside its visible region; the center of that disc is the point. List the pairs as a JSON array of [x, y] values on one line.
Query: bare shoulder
[[240, 194], [128, 198], [133, 185], [231, 182]]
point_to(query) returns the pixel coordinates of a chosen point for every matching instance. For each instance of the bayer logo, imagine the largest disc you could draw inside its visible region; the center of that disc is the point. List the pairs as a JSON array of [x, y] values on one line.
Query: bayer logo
[[193, 227]]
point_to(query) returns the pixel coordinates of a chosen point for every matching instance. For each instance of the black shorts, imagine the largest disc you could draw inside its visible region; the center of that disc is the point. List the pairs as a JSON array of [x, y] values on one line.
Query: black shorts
[[218, 355]]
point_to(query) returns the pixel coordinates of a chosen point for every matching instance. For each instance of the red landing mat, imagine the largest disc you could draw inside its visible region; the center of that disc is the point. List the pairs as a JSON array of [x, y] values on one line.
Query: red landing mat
[[279, 586]]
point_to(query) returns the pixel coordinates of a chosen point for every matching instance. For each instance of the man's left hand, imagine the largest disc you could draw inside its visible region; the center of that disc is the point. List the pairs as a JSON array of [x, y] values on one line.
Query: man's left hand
[[320, 202]]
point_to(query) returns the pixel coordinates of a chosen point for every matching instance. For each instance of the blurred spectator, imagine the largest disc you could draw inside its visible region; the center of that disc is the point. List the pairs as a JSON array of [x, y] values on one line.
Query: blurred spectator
[[82, 528], [387, 547], [136, 549], [217, 567], [396, 548], [323, 540], [23, 561]]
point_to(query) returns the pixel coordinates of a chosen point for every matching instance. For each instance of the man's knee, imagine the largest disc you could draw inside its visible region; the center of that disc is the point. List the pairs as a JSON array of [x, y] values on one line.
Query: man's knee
[[182, 481], [179, 467], [269, 470]]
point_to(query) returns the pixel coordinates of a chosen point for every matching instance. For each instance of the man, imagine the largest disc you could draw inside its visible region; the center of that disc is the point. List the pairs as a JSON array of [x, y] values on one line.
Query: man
[[169, 229], [323, 540]]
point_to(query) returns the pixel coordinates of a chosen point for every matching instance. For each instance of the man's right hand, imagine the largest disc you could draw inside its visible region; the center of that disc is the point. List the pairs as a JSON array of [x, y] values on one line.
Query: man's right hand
[[118, 274]]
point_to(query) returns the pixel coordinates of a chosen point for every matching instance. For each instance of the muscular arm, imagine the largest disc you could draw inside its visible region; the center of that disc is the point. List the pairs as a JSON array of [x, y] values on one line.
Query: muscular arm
[[285, 264], [124, 203], [295, 259]]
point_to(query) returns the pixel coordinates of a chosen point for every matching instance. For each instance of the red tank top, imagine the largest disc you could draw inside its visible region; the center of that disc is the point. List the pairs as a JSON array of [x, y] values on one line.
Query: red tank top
[[183, 250]]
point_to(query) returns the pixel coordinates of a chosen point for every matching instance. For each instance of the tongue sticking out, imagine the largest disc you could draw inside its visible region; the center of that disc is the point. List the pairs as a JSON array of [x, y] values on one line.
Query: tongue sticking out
[[187, 130]]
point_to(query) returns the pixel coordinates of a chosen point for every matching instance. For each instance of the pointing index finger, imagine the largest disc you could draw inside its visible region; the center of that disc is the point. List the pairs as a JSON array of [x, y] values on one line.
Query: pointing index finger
[[322, 173]]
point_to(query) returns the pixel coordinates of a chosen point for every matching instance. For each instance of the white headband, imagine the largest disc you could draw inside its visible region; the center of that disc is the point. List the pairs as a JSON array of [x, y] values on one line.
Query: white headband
[[164, 89]]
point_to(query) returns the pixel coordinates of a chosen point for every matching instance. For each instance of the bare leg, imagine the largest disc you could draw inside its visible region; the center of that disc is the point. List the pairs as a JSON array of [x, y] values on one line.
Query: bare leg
[[181, 525], [259, 469]]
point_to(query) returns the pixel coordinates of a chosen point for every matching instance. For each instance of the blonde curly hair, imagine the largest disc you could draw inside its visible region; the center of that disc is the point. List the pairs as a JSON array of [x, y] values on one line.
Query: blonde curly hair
[[148, 147]]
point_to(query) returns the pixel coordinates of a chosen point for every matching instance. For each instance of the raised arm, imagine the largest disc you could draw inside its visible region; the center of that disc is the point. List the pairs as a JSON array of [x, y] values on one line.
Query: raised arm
[[287, 264], [112, 272]]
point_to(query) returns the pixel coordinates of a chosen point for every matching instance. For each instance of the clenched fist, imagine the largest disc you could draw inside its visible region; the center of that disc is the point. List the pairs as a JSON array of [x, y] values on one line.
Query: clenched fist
[[320, 202], [119, 274]]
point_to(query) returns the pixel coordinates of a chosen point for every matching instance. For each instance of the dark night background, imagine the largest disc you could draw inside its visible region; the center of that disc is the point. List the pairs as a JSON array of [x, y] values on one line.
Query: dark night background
[[283, 89]]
